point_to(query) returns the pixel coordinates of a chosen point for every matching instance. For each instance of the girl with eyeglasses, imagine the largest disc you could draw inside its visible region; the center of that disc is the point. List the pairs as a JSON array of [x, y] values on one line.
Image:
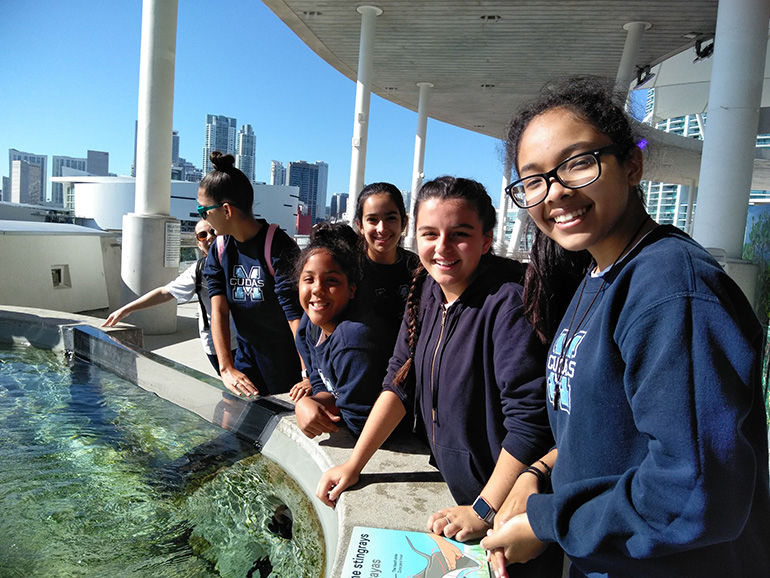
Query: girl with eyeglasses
[[467, 366], [264, 306], [653, 376], [186, 286]]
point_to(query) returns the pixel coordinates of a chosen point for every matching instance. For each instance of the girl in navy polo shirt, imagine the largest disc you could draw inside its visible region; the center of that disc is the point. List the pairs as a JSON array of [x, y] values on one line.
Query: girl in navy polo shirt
[[344, 348]]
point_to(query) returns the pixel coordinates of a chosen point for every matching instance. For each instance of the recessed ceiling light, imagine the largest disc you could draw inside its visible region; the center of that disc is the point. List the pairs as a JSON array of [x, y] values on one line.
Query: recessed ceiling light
[[691, 35]]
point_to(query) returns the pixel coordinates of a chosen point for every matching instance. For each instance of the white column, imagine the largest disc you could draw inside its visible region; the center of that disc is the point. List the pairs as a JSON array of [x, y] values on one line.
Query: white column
[[418, 173], [627, 68], [150, 253], [727, 163], [363, 93], [517, 232], [156, 107], [690, 205], [501, 248]]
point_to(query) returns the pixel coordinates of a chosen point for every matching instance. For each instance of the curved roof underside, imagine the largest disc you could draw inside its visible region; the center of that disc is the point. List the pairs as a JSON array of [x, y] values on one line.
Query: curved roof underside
[[485, 57]]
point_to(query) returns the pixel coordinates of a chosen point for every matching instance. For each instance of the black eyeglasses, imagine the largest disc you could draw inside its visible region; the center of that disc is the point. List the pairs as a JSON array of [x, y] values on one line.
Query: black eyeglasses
[[573, 173], [203, 235], [204, 211]]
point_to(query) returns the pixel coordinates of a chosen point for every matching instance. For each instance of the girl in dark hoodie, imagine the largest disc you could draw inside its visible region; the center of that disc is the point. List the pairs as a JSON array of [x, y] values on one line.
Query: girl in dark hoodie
[[465, 359]]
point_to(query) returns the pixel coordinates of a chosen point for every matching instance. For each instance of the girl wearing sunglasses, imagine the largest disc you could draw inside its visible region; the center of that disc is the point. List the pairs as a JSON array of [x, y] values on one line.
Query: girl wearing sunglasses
[[255, 287]]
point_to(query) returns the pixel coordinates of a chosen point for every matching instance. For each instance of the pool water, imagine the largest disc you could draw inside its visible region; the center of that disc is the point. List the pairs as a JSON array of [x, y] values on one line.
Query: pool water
[[101, 478]]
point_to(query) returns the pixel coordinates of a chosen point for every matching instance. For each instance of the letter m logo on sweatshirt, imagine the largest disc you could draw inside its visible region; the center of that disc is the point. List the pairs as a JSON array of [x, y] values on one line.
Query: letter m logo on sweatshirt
[[247, 287]]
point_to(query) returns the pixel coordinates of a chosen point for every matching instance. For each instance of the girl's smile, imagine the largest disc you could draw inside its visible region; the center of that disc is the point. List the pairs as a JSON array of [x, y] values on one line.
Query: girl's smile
[[450, 243], [324, 291], [381, 226], [597, 217]]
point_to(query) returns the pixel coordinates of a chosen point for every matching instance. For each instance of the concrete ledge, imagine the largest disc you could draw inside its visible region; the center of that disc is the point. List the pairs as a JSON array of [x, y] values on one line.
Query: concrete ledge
[[398, 488]]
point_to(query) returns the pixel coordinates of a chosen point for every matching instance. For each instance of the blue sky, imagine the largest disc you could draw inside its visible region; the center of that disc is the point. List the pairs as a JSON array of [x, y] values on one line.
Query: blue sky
[[70, 73]]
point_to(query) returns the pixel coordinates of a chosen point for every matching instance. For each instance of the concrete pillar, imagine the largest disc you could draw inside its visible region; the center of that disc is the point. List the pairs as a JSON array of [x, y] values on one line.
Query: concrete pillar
[[150, 255], [728, 156], [363, 94], [418, 173], [501, 247], [627, 68], [690, 206]]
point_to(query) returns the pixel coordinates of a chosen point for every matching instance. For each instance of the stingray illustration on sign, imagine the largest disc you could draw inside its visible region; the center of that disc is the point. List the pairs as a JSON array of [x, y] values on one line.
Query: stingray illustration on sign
[[380, 553]]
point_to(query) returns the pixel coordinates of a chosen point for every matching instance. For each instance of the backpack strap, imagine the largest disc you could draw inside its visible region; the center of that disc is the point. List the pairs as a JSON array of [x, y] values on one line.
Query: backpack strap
[[220, 245], [268, 248], [198, 287]]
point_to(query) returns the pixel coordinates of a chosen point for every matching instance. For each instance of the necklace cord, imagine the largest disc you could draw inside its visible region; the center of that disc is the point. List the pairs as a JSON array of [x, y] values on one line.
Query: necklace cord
[[563, 354]]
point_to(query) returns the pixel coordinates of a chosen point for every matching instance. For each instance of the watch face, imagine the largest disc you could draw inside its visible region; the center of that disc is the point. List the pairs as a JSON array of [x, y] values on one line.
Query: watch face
[[481, 508]]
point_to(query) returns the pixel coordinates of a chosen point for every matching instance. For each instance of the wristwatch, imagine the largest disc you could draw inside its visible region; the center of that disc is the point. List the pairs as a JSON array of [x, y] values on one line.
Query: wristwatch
[[305, 374], [483, 510]]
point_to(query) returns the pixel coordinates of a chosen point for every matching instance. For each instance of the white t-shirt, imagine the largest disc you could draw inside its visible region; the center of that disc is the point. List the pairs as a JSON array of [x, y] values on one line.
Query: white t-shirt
[[183, 290]]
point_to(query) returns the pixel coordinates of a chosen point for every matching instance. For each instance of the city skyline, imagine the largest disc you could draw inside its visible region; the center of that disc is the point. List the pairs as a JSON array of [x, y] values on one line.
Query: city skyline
[[78, 91]]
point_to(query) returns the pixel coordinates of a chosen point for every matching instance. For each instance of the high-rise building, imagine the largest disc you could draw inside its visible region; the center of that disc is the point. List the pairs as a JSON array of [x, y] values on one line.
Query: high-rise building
[[277, 173], [98, 163], [672, 204], [59, 163], [246, 148], [38, 190], [220, 136], [175, 147], [338, 206], [308, 177], [25, 183]]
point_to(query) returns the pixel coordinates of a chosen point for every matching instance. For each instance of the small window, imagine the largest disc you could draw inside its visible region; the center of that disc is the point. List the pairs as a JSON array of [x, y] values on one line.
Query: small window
[[60, 276]]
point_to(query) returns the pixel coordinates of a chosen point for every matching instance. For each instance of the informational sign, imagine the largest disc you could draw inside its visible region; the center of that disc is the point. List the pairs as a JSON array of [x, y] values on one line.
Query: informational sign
[[172, 244], [379, 553]]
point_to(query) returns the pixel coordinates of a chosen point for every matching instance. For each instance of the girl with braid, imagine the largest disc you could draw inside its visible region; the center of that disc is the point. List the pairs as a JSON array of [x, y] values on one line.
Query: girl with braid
[[466, 361]]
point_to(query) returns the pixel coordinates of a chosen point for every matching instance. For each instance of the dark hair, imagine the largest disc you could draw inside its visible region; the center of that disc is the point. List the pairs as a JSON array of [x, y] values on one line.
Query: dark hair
[[590, 98], [374, 189], [227, 184], [552, 277], [553, 273], [341, 242], [444, 188], [470, 191]]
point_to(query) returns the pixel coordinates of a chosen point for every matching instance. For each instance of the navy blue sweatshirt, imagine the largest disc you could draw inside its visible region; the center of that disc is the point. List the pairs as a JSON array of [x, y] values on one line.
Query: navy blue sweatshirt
[[660, 423], [261, 306], [477, 382], [384, 289], [349, 364]]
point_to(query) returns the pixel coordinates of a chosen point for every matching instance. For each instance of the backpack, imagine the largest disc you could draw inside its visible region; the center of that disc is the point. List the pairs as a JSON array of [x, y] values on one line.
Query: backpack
[[198, 286], [220, 246]]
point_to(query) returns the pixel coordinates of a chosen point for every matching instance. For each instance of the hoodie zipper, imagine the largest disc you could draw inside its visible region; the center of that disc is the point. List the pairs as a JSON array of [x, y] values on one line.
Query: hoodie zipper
[[434, 390]]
